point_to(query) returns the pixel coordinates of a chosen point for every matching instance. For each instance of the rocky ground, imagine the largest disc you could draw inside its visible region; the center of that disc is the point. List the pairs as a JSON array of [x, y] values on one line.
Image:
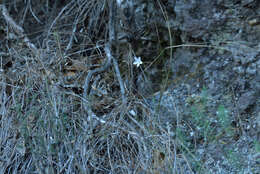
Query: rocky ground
[[226, 76]]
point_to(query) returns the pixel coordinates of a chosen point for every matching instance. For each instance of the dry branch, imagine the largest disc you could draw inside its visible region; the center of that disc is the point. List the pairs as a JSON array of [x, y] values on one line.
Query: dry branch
[[18, 29], [112, 41], [86, 87]]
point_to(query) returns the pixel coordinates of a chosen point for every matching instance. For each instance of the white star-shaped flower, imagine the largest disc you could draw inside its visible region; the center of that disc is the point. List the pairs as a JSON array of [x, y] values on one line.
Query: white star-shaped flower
[[138, 61]]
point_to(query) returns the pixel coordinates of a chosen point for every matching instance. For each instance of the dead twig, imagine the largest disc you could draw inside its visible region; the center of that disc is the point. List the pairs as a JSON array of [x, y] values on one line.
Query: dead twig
[[113, 39], [95, 71], [86, 87], [109, 55], [120, 80], [18, 29]]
